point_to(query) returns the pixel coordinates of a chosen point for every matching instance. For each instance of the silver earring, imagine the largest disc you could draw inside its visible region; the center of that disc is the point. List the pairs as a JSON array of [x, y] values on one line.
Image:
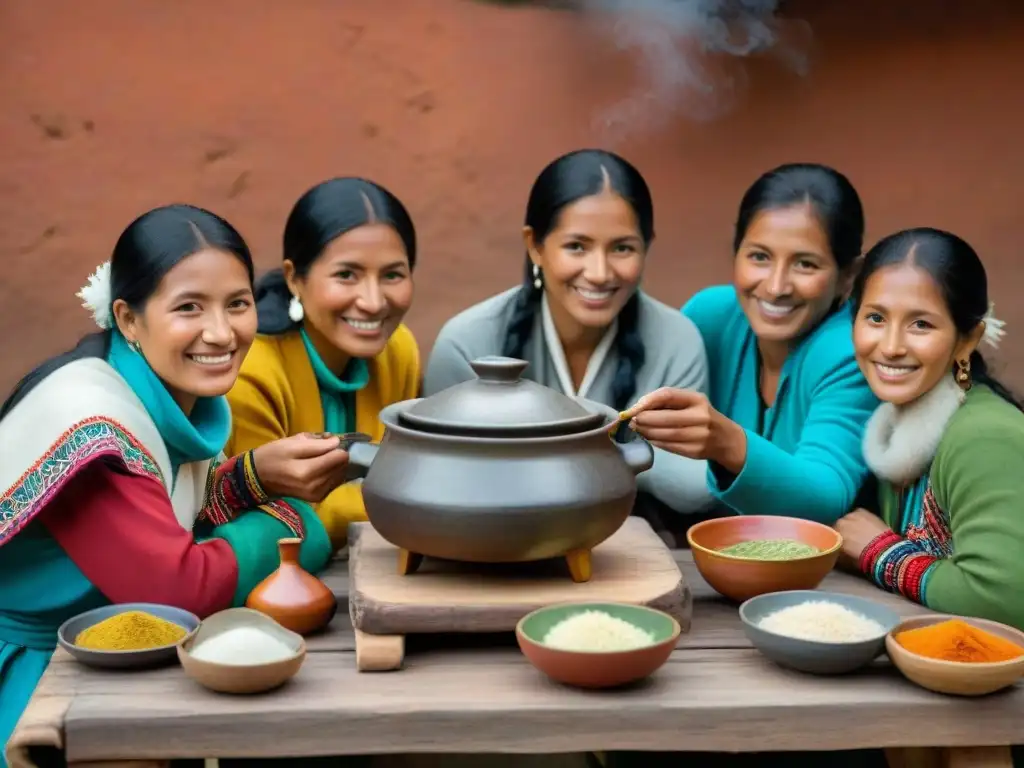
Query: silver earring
[[136, 347], [537, 282], [295, 311]]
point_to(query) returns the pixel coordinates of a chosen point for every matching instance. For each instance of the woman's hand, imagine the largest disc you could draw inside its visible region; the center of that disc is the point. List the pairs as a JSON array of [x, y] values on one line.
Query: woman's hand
[[683, 422], [858, 529], [305, 466]]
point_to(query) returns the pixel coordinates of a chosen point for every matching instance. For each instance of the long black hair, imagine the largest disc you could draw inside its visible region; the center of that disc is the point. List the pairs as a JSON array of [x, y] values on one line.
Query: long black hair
[[959, 275], [322, 215], [579, 174], [830, 195], [149, 248]]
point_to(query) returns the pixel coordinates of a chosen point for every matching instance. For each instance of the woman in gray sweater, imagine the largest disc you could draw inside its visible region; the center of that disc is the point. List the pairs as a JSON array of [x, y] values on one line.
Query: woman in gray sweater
[[579, 317]]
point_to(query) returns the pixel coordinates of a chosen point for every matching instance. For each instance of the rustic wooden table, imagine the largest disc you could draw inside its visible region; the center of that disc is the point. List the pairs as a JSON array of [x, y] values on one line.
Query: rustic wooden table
[[715, 694]]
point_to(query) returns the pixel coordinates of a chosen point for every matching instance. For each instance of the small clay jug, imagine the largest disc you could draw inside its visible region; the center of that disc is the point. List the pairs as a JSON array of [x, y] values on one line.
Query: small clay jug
[[291, 596]]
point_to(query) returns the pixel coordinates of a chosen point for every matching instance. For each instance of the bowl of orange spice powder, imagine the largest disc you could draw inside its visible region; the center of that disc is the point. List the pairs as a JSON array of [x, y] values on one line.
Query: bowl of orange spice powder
[[957, 655]]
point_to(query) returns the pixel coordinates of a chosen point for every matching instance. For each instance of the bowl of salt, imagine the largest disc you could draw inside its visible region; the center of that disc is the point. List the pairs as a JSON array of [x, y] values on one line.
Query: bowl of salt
[[241, 651]]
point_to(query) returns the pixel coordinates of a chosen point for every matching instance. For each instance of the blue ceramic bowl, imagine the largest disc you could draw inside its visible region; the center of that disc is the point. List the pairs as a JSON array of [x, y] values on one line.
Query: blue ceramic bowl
[[812, 656], [151, 657]]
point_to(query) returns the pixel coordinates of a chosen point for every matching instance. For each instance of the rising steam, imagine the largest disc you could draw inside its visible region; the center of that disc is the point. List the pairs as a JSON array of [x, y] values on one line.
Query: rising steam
[[689, 53]]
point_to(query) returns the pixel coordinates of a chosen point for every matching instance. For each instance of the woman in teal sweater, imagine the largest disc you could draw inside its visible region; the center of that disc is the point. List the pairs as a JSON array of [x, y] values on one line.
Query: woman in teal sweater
[[947, 444], [782, 423]]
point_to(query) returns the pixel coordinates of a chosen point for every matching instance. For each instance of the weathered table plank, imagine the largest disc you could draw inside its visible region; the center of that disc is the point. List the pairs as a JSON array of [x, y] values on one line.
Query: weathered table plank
[[490, 701], [714, 694]]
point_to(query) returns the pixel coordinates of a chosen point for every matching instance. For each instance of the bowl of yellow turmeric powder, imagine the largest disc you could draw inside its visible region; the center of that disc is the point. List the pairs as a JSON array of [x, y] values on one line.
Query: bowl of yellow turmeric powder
[[130, 635], [957, 655]]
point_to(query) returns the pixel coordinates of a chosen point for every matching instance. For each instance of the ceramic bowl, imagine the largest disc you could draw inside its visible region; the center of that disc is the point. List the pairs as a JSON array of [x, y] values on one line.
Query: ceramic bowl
[[241, 677], [597, 669], [954, 677], [740, 578], [150, 657], [813, 656]]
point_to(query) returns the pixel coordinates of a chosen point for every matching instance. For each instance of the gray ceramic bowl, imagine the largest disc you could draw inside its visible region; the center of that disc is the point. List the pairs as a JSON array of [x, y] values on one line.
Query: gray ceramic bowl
[[150, 657], [809, 655]]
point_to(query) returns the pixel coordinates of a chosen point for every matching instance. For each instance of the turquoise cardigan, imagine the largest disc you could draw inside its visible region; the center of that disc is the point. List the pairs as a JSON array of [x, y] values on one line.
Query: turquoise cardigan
[[807, 459]]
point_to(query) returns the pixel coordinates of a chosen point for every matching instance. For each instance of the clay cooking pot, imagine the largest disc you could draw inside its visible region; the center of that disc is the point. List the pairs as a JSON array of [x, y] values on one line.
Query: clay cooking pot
[[498, 469]]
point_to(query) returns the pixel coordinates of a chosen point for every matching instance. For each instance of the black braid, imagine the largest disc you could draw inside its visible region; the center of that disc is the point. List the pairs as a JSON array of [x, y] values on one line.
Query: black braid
[[630, 348], [521, 325]]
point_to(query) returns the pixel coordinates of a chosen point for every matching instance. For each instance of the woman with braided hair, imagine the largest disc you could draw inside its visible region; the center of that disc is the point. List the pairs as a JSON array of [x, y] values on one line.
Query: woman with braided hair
[[579, 317]]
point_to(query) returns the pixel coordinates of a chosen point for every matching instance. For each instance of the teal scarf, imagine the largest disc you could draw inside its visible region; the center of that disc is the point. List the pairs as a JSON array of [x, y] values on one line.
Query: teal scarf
[[336, 393], [188, 438]]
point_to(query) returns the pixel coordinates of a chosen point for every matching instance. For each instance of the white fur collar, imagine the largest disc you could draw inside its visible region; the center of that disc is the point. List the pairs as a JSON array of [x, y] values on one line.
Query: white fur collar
[[900, 441]]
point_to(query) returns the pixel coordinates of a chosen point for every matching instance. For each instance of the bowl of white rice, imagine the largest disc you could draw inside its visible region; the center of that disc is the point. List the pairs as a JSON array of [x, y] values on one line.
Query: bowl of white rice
[[597, 645], [240, 650], [824, 633]]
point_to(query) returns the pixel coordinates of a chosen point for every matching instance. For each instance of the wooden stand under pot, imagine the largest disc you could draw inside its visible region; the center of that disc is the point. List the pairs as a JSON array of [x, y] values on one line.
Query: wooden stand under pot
[[633, 566]]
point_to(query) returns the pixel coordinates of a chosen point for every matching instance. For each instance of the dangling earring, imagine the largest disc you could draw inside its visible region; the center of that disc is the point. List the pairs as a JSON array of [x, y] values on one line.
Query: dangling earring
[[295, 311], [537, 282], [136, 347], [963, 374]]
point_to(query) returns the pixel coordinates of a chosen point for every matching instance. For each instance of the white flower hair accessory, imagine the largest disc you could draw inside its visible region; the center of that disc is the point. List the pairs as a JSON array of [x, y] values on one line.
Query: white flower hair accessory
[[96, 297], [993, 332]]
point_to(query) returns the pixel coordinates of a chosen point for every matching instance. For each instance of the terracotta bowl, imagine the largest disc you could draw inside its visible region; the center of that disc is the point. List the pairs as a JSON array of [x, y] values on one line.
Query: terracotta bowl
[[597, 669], [241, 677], [954, 677], [740, 578]]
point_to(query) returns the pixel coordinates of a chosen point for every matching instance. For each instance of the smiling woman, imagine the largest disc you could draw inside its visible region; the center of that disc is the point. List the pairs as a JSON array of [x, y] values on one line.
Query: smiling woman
[[579, 317], [947, 444], [197, 325], [332, 349], [113, 484], [782, 423]]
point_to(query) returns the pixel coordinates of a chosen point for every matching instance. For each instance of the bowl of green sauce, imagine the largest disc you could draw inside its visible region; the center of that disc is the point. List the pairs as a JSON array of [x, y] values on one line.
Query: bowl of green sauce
[[748, 555]]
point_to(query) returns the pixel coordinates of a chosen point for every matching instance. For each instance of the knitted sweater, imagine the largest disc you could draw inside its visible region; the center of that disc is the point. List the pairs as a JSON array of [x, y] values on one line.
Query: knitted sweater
[[951, 481]]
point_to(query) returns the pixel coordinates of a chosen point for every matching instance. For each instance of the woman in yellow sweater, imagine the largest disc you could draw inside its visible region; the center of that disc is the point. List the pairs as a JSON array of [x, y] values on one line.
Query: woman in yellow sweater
[[332, 350]]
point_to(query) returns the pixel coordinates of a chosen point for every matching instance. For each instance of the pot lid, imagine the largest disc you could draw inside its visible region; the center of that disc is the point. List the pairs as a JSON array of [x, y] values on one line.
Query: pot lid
[[499, 402]]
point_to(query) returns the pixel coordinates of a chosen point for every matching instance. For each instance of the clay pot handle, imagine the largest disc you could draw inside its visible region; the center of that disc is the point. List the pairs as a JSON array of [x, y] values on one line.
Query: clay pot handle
[[360, 458], [637, 453], [348, 439], [497, 369]]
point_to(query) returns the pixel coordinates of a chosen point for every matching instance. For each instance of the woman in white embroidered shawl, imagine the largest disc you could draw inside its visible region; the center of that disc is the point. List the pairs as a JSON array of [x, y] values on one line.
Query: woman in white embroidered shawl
[[580, 319], [113, 487]]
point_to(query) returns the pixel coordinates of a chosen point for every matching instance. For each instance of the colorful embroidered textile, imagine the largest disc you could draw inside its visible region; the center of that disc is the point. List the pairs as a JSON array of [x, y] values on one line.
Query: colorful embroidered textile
[[234, 485], [84, 442]]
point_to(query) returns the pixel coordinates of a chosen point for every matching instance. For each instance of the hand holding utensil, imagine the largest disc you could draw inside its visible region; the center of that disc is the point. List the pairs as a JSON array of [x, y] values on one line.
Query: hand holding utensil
[[306, 466], [683, 422]]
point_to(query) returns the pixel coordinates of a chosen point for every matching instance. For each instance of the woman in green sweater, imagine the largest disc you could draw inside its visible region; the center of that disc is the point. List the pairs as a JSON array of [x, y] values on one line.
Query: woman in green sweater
[[947, 444]]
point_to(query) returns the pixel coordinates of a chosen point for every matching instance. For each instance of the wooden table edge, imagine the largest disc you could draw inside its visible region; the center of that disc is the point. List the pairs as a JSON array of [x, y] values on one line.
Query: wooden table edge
[[41, 726]]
